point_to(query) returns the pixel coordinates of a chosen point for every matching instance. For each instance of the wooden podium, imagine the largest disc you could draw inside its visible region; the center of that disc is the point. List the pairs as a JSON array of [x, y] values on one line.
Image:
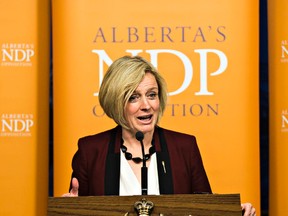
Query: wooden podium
[[163, 205]]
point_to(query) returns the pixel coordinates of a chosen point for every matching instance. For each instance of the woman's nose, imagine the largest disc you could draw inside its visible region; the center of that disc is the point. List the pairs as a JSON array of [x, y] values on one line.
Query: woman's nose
[[145, 104]]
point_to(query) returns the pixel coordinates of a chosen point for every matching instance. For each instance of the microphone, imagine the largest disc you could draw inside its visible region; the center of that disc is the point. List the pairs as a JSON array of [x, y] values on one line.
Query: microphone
[[144, 174]]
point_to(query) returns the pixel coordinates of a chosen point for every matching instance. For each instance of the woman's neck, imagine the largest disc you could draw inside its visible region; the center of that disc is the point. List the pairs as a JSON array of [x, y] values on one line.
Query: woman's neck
[[130, 139]]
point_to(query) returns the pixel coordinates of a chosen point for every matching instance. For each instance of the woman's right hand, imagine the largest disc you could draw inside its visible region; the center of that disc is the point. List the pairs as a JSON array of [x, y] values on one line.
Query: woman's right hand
[[74, 190]]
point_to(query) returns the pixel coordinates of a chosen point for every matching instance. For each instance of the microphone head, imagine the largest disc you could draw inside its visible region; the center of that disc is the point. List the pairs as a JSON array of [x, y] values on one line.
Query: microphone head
[[139, 136]]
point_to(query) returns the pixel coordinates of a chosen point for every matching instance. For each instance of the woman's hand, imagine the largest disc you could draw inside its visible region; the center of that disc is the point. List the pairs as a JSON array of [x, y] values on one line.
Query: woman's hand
[[74, 190], [248, 209]]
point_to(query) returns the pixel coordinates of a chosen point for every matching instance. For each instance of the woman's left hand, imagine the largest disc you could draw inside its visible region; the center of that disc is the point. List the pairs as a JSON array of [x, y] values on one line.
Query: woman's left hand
[[248, 209]]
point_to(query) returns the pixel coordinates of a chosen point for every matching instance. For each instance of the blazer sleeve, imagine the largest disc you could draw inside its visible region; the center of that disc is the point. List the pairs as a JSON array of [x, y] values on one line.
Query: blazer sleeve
[[79, 166], [189, 175], [89, 163], [199, 181]]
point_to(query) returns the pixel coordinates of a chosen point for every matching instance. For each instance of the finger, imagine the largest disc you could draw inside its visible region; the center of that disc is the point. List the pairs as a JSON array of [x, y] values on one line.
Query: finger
[[247, 208], [67, 195], [253, 212], [75, 187]]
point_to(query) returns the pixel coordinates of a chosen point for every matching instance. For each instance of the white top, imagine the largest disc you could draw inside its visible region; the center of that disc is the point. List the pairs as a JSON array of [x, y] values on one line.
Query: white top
[[129, 184]]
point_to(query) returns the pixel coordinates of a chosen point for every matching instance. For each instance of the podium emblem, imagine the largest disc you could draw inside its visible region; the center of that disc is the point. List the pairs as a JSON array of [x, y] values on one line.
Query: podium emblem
[[144, 207]]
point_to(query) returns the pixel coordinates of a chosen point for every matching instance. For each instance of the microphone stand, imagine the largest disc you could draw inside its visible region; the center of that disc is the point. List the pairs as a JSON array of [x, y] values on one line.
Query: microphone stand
[[144, 171]]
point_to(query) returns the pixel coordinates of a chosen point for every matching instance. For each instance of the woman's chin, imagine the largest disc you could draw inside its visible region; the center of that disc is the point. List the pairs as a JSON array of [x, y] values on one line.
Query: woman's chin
[[146, 128]]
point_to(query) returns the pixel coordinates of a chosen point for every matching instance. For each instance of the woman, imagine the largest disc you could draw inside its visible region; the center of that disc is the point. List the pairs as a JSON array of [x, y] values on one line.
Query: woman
[[134, 95]]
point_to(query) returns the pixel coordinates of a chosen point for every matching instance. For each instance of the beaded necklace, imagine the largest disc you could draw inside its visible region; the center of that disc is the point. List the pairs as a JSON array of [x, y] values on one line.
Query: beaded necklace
[[137, 160]]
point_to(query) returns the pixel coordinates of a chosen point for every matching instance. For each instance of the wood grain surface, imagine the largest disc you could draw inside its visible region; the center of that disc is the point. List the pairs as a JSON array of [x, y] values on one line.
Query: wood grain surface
[[164, 205]]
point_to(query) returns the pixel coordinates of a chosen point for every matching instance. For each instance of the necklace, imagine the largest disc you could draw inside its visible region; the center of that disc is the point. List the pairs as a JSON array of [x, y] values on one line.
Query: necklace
[[137, 160]]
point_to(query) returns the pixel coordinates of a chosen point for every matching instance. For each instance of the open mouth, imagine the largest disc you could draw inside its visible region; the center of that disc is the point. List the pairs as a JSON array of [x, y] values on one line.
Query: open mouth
[[146, 117]]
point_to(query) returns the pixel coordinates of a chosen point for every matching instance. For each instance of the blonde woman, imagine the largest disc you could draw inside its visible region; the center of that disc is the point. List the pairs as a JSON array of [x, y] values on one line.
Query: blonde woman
[[134, 95]]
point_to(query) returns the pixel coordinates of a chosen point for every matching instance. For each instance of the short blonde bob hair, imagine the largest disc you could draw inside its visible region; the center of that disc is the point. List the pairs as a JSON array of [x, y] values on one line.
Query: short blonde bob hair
[[120, 82]]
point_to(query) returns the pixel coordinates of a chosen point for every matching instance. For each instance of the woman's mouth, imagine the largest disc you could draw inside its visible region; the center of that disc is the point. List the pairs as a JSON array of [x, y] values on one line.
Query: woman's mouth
[[146, 117]]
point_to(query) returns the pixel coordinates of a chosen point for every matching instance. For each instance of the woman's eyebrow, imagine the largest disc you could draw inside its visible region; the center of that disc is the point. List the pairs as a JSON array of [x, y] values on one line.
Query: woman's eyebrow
[[150, 89]]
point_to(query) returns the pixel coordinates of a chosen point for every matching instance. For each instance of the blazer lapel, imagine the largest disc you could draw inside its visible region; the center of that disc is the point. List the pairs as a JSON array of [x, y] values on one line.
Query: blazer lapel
[[112, 169], [163, 163]]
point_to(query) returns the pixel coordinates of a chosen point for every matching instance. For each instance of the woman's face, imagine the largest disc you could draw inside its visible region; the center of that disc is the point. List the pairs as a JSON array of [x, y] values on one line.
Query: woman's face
[[142, 109]]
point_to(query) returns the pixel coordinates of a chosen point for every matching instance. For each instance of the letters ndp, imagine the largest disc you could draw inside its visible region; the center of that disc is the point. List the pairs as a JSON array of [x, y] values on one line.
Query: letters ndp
[[14, 54], [203, 52], [188, 66]]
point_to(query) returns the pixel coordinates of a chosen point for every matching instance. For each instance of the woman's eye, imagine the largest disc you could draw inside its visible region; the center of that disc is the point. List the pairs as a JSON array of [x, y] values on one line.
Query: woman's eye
[[133, 98], [152, 95]]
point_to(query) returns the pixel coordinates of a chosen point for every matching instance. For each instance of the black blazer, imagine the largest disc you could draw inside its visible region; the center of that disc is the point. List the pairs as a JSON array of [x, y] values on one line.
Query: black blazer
[[96, 164]]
